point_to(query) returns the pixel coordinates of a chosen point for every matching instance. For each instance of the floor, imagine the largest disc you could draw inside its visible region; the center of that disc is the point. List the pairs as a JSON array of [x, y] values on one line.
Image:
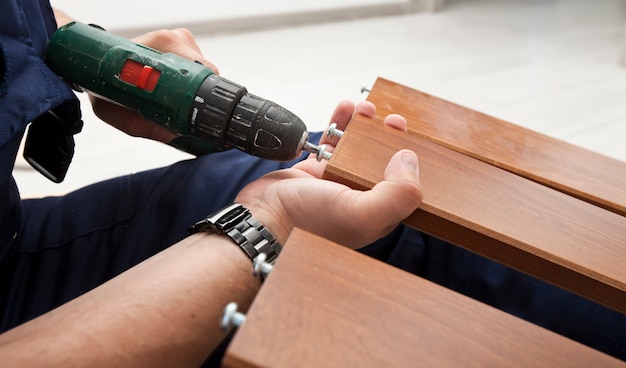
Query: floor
[[548, 65]]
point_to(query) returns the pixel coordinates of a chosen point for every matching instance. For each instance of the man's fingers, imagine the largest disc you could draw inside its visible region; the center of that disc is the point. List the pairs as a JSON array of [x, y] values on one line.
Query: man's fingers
[[179, 41], [342, 114], [128, 121], [403, 166], [365, 108], [400, 193], [396, 121], [374, 213]]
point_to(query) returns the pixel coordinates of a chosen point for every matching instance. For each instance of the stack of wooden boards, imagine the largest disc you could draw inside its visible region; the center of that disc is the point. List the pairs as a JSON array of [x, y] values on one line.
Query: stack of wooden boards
[[542, 206]]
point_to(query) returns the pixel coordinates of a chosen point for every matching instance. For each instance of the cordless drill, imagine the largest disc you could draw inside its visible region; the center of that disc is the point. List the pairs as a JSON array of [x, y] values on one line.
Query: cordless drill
[[209, 113]]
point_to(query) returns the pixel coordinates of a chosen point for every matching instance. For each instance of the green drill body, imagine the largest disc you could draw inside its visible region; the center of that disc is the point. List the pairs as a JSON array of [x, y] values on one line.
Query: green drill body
[[209, 112]]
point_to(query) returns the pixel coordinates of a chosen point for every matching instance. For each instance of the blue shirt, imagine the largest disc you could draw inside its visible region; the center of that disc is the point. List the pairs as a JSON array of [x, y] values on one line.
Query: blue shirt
[[27, 90]]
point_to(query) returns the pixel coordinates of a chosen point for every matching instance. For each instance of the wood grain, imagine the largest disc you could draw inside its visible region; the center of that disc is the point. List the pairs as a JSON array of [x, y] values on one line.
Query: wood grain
[[568, 168], [495, 213], [327, 306]]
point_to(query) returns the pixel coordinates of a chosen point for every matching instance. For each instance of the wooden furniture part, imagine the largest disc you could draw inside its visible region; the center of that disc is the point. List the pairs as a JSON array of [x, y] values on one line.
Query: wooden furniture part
[[573, 170], [495, 213], [324, 305]]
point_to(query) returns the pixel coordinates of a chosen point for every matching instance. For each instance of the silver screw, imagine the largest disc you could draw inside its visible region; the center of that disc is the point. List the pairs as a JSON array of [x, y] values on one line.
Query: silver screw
[[260, 267], [333, 131], [364, 88], [322, 154], [319, 151], [231, 318]]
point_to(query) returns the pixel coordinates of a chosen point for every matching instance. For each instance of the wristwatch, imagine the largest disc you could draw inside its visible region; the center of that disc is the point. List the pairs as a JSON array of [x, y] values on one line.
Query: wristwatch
[[237, 222]]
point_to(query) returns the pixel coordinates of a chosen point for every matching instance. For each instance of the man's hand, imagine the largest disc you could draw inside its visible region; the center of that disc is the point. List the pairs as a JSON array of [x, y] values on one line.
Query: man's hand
[[178, 41], [293, 197], [164, 311]]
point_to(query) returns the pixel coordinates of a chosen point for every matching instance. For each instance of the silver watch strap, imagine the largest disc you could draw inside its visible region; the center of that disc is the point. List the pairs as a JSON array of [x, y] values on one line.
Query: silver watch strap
[[237, 222], [254, 238]]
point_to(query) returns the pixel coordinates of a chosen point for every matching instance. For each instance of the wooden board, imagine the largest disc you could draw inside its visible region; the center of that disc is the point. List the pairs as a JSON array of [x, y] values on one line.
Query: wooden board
[[495, 213], [573, 170], [327, 306]]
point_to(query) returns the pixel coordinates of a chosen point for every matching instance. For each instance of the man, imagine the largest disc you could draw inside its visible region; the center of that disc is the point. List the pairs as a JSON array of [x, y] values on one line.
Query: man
[[54, 250], [164, 310]]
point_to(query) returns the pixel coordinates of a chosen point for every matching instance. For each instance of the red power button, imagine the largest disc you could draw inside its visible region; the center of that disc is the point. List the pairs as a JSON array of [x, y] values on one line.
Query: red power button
[[140, 75]]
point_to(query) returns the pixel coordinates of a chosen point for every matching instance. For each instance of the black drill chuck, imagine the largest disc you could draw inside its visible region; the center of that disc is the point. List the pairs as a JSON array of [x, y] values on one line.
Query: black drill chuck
[[224, 112]]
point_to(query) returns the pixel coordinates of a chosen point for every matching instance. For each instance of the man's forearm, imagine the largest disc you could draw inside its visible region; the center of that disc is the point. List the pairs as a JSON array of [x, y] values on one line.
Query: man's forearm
[[163, 312]]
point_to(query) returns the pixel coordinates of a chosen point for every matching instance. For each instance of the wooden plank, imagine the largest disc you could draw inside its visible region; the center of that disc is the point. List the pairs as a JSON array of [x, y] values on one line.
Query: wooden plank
[[573, 170], [324, 305], [515, 221]]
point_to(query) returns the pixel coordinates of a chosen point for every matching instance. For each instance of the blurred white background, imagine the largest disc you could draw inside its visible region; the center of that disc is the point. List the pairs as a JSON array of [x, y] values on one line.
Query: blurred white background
[[549, 65]]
